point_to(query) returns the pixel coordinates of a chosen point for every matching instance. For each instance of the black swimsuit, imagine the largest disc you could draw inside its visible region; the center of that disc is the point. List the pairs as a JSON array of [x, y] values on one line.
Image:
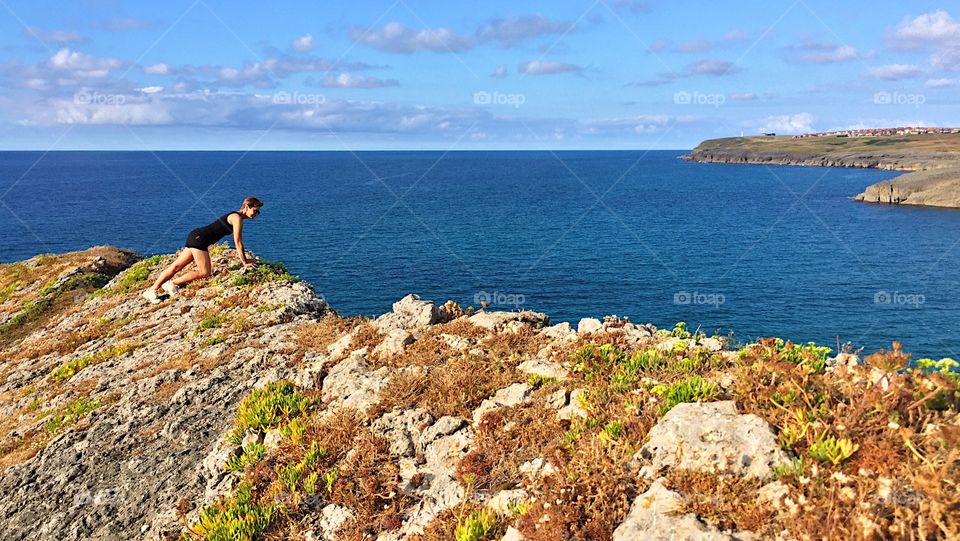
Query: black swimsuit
[[202, 237]]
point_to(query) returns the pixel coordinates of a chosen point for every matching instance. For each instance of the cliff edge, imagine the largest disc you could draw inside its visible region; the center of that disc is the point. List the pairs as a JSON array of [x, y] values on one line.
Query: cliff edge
[[246, 408]]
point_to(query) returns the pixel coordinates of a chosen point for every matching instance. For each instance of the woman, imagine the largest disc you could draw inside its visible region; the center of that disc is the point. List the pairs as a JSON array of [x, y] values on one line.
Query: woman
[[198, 241]]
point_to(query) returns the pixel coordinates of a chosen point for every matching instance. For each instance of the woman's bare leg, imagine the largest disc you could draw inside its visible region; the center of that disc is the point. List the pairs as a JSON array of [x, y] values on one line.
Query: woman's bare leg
[[172, 269], [202, 259]]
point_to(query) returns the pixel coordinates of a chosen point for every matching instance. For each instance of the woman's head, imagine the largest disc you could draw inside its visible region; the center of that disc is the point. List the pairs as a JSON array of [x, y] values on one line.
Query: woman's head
[[251, 207]]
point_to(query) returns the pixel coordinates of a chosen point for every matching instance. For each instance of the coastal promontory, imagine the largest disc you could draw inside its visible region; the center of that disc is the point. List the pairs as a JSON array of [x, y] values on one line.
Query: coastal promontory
[[931, 161]]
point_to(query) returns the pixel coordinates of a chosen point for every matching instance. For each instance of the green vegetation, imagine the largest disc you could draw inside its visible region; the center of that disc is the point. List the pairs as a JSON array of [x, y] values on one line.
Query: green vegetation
[[211, 322], [9, 290], [134, 277], [70, 414], [269, 407], [239, 518], [263, 273], [832, 449], [47, 296], [694, 389], [218, 338], [536, 380], [251, 455], [811, 357], [480, 525], [68, 369]]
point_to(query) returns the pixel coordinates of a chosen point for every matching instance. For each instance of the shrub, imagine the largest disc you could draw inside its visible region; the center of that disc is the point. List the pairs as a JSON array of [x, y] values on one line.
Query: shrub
[[265, 408], [694, 389], [263, 273], [238, 518], [480, 525], [832, 449]]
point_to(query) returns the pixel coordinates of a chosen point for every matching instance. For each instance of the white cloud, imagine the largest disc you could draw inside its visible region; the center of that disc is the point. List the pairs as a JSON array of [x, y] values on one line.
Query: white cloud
[[303, 43], [513, 30], [120, 25], [396, 37], [937, 30], [348, 80], [822, 52], [500, 72], [798, 123], [547, 67], [894, 72], [157, 69], [82, 65], [151, 89], [742, 96], [711, 67], [55, 36], [942, 83], [930, 27]]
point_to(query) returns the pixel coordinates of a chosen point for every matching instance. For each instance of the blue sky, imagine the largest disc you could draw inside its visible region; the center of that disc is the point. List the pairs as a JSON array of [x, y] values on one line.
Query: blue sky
[[407, 74]]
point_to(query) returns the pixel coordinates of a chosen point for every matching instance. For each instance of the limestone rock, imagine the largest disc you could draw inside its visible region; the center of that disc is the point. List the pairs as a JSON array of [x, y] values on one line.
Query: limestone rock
[[409, 313], [493, 320], [544, 369], [712, 436], [574, 408], [332, 517], [653, 517], [561, 332], [394, 343], [589, 325], [403, 430], [444, 426], [508, 396], [501, 501], [352, 384]]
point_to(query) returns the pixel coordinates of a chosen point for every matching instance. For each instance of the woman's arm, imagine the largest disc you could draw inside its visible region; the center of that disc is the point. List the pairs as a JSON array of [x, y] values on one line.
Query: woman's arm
[[237, 222]]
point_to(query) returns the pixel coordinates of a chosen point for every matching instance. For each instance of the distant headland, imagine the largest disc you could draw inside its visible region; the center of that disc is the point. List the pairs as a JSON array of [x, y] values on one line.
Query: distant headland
[[930, 156]]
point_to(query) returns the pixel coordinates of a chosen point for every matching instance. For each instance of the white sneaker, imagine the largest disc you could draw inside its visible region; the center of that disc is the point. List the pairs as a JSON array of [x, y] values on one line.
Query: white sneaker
[[151, 296], [170, 289]]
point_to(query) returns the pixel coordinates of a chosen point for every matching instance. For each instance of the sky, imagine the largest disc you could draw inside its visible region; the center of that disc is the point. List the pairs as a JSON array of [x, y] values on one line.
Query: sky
[[409, 74]]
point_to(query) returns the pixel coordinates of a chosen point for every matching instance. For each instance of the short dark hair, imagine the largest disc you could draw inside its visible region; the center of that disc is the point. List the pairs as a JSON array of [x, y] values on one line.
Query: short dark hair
[[253, 202]]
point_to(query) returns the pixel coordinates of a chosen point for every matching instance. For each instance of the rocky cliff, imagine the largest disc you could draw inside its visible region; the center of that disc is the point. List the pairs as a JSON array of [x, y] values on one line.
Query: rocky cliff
[[935, 181], [246, 408]]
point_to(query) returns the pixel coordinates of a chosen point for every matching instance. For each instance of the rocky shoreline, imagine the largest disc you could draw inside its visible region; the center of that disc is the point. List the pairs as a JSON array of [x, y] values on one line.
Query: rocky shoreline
[[932, 177], [247, 408]]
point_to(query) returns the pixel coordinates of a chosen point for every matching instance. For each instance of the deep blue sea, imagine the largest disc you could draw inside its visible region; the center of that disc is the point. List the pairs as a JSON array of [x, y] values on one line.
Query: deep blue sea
[[753, 250]]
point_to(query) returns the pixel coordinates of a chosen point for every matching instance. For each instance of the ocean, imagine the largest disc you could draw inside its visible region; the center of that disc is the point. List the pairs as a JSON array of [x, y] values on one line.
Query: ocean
[[744, 249]]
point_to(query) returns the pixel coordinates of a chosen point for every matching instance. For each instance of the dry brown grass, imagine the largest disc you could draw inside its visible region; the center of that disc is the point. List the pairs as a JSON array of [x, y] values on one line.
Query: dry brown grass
[[729, 503], [588, 497], [366, 336], [319, 335], [505, 439], [166, 390], [900, 419], [506, 345], [429, 350], [454, 388], [369, 485], [21, 449]]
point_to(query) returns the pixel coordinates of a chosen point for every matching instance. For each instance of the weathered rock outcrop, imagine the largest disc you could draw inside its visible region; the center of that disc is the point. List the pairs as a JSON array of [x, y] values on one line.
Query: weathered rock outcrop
[[246, 407]]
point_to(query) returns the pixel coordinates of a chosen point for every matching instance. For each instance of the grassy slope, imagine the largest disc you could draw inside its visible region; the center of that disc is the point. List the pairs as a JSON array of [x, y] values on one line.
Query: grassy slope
[[933, 159], [814, 147]]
